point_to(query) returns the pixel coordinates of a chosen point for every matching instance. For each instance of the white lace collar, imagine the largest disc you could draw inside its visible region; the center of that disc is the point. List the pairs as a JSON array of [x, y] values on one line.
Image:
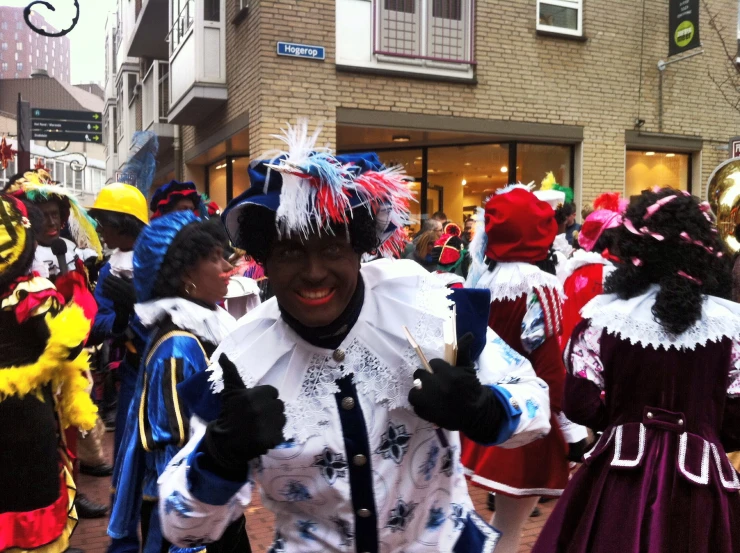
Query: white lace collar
[[375, 352], [508, 281], [581, 258], [122, 263], [207, 324], [633, 320]]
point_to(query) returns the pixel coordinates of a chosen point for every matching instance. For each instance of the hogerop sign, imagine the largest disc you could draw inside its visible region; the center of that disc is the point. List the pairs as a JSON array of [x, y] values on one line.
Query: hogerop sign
[[301, 51]]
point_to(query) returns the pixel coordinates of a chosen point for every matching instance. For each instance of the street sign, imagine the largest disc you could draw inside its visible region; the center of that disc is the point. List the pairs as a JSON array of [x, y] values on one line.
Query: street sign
[[66, 125], [735, 146], [301, 51], [67, 115], [62, 136], [41, 125]]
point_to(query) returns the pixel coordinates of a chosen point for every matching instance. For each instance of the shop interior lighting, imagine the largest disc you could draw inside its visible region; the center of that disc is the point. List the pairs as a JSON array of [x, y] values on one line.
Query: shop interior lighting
[[649, 153], [401, 138], [670, 155], [222, 166], [504, 169], [464, 182]]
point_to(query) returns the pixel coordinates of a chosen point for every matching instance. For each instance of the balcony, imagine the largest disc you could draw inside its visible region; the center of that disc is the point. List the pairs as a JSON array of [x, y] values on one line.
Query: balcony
[[149, 38], [155, 100], [197, 42]]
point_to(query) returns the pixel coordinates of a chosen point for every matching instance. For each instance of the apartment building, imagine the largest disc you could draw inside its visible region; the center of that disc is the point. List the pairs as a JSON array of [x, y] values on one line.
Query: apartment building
[[468, 95]]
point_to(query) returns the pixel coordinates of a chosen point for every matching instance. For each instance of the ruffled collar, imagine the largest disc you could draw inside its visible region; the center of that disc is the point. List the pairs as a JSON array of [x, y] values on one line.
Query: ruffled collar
[[122, 263], [210, 325], [633, 320], [508, 281], [266, 350], [581, 258]]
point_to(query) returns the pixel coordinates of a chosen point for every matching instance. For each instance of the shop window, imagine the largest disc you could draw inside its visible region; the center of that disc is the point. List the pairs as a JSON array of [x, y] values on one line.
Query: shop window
[[534, 161], [217, 182], [439, 30], [239, 165], [560, 16], [646, 169]]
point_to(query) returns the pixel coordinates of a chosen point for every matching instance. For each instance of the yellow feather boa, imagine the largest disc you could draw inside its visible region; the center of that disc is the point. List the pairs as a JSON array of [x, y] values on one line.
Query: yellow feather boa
[[67, 330]]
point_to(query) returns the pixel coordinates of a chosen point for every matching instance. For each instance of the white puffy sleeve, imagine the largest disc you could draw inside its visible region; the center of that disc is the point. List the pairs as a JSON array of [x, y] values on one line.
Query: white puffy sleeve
[[525, 397]]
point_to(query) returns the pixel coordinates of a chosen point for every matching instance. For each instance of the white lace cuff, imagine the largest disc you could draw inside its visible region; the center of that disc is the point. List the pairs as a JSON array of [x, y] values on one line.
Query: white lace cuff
[[733, 390]]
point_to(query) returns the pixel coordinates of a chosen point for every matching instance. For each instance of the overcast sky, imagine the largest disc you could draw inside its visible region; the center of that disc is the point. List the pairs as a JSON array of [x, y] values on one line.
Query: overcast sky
[[87, 38]]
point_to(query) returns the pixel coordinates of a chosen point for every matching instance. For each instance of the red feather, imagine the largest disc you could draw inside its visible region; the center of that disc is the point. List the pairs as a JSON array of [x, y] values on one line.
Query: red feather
[[607, 200]]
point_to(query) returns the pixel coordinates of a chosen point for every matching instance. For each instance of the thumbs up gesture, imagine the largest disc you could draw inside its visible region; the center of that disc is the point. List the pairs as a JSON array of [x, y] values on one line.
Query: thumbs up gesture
[[251, 423]]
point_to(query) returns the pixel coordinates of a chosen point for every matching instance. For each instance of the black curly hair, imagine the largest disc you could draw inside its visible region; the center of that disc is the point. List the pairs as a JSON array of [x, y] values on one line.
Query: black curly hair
[[25, 260], [123, 223], [257, 232], [194, 242], [607, 241], [685, 271]]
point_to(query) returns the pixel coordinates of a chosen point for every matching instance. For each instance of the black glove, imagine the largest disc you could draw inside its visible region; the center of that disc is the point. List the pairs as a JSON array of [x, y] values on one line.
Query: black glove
[[454, 399], [122, 294], [251, 423]]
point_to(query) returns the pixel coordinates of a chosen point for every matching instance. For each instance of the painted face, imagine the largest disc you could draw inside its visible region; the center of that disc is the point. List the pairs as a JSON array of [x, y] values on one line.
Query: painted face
[[314, 279], [183, 204], [209, 277], [52, 223]]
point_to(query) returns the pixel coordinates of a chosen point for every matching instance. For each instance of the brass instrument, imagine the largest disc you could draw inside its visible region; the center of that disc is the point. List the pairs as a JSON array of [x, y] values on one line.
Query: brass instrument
[[723, 195]]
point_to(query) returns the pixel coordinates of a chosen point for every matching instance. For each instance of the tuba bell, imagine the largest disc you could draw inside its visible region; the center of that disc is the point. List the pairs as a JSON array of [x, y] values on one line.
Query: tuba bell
[[723, 195]]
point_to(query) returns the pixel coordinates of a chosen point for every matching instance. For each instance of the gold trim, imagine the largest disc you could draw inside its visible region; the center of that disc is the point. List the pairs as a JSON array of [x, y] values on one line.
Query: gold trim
[[172, 335], [176, 401], [142, 430]]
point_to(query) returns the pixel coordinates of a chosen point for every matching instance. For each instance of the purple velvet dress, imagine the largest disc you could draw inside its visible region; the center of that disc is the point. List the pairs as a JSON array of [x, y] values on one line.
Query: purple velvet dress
[[658, 479]]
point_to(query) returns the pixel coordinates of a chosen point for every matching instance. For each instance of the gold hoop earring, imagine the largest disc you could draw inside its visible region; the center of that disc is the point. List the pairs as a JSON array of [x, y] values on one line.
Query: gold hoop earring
[[190, 288]]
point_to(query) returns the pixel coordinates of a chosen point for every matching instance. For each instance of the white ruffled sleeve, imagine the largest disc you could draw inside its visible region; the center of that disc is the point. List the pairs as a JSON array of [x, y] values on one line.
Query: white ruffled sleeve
[[582, 356], [733, 390]]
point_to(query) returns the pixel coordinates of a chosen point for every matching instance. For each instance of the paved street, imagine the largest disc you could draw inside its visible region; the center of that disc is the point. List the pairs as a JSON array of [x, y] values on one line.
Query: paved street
[[91, 536]]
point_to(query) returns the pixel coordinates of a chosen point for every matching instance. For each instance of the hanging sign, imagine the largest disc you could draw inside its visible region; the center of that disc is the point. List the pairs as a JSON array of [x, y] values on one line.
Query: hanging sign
[[683, 26]]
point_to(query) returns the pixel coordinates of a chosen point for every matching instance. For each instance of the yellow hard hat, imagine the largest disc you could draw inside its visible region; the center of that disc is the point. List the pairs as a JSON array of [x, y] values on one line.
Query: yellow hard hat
[[123, 198]]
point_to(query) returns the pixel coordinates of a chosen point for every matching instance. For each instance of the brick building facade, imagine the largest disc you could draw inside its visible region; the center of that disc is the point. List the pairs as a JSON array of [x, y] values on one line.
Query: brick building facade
[[584, 103]]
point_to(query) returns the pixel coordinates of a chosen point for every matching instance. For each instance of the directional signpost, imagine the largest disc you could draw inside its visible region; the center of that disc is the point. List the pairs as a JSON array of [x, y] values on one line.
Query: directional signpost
[[66, 126]]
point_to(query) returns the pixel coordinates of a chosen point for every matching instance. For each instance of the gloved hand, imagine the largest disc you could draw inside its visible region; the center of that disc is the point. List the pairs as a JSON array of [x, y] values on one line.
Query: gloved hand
[[121, 292], [251, 423], [454, 399]]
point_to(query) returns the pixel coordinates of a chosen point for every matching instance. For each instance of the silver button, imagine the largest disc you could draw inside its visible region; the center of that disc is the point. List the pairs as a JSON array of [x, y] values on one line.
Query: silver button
[[348, 403], [514, 403], [363, 513], [680, 421], [649, 415], [338, 355], [359, 460]]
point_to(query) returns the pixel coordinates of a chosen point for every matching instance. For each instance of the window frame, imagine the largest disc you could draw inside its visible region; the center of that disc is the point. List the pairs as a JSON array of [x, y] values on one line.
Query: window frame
[[425, 9], [572, 4]]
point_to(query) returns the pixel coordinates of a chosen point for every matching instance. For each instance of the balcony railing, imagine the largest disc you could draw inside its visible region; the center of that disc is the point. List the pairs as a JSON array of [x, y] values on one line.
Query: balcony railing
[[155, 94], [181, 25]]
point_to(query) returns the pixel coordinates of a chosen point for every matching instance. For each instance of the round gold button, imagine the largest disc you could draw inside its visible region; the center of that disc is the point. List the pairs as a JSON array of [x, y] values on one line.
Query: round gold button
[[359, 460], [348, 403], [338, 355]]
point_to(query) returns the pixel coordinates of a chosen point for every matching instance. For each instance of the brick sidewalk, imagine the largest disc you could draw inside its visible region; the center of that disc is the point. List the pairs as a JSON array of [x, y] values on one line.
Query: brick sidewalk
[[91, 536]]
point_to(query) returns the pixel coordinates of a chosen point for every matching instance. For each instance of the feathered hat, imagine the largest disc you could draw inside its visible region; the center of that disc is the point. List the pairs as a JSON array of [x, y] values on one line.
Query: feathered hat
[[608, 215], [141, 164], [37, 187], [151, 249], [15, 242], [309, 189], [171, 193]]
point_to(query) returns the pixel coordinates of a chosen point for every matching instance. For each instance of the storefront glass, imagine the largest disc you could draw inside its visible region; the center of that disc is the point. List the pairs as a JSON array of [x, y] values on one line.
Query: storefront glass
[[648, 169], [241, 175], [217, 182], [227, 179], [534, 161]]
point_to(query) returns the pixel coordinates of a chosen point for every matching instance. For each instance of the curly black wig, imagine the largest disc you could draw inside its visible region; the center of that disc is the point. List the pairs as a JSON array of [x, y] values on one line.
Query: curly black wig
[[23, 265], [608, 240], [688, 263], [194, 242], [123, 223], [259, 243]]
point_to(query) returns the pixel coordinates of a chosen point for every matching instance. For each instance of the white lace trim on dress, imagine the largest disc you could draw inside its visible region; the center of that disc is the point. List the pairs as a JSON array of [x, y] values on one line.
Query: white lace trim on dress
[[509, 281], [633, 320]]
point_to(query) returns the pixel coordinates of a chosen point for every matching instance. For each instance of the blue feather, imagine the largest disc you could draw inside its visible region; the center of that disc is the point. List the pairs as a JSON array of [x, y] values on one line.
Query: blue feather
[[141, 164]]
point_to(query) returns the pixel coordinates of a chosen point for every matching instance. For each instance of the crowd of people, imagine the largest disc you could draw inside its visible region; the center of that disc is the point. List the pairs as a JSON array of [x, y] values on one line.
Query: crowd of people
[[301, 344]]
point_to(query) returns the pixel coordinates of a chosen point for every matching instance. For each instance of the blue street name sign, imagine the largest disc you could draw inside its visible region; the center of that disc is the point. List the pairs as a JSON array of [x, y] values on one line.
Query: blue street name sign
[[301, 51]]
